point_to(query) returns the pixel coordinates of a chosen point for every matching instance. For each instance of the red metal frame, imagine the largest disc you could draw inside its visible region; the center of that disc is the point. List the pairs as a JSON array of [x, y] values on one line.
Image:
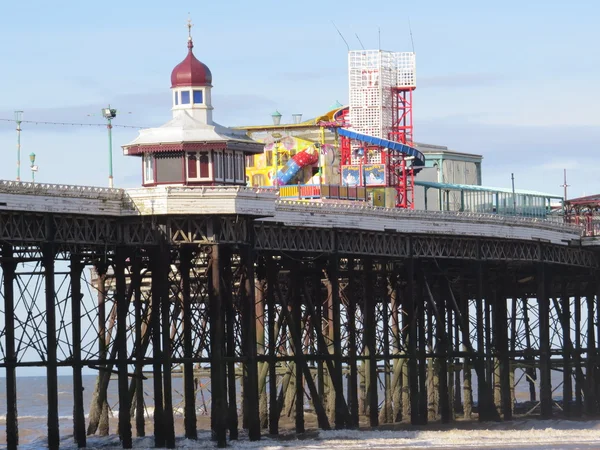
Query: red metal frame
[[400, 176], [402, 116], [345, 148]]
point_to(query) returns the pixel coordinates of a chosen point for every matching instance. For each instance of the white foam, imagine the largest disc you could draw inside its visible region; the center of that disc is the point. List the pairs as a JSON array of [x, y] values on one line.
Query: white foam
[[528, 434]]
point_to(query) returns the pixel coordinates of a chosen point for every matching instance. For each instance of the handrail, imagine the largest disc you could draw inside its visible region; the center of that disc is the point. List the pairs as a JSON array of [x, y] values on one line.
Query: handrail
[[360, 207]]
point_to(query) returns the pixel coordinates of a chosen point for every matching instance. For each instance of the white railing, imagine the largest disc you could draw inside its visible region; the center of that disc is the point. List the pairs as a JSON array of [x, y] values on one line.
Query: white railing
[[359, 207], [21, 187], [205, 190], [126, 196]]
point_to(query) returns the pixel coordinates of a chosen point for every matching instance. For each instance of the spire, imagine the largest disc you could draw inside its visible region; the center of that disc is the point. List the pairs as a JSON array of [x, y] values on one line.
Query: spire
[[189, 26]]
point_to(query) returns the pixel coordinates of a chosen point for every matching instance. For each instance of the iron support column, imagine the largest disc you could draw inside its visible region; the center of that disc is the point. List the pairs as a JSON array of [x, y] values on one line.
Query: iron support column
[[352, 351], [545, 368], [271, 307], [412, 316], [249, 307], [157, 282], [340, 405], [370, 336], [136, 281], [51, 345], [76, 298], [567, 350], [185, 256], [121, 343], [217, 342], [8, 270]]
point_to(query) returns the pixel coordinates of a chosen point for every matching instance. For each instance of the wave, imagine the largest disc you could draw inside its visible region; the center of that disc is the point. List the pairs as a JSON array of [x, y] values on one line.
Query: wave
[[3, 417]]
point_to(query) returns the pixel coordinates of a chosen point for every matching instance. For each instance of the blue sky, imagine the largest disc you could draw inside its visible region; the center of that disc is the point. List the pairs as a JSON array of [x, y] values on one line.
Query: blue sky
[[515, 81]]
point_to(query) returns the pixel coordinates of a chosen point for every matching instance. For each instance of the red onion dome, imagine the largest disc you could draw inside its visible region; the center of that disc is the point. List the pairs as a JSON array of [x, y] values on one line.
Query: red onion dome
[[190, 71]]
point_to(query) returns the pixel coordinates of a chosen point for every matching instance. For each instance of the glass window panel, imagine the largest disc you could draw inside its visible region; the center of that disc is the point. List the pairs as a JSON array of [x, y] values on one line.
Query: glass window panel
[[198, 97], [191, 166], [204, 162], [148, 168], [185, 97]]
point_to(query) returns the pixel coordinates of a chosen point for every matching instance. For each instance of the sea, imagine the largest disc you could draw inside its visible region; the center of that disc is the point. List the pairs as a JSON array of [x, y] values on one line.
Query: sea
[[524, 433]]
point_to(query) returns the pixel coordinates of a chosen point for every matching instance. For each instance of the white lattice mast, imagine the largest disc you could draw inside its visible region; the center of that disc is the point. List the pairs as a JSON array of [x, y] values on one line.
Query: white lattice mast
[[381, 85], [374, 78]]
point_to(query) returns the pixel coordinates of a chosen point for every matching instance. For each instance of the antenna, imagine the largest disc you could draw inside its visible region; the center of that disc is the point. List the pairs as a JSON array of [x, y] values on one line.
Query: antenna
[[412, 42], [360, 42], [341, 35], [379, 37]]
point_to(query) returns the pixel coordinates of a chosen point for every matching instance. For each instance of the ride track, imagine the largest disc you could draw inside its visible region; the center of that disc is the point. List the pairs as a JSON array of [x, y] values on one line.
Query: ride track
[[324, 312]]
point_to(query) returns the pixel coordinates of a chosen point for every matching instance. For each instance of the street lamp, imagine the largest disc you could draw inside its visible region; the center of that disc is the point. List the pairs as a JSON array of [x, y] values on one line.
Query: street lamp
[[512, 177], [276, 116], [18, 119], [109, 114], [34, 168]]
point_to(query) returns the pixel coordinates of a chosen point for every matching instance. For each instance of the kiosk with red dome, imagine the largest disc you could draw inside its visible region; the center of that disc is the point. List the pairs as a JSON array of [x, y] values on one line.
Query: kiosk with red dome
[[191, 149]]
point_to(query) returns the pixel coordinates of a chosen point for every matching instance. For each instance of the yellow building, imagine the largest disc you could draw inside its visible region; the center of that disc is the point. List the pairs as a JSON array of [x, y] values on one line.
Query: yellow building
[[283, 141]]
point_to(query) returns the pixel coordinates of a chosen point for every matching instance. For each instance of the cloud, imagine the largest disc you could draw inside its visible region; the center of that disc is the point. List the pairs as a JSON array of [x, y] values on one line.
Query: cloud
[[459, 80], [536, 155]]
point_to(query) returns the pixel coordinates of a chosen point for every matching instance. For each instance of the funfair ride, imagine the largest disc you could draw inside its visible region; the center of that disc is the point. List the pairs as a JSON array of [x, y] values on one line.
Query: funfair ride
[[381, 84], [363, 151]]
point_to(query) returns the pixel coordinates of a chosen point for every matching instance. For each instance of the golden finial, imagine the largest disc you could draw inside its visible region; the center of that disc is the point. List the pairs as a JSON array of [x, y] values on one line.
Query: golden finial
[[189, 26]]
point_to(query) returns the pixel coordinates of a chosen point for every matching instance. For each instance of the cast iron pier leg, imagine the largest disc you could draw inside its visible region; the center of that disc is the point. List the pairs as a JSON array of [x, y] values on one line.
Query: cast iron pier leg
[[121, 342], [217, 342], [51, 366], [76, 297], [8, 269]]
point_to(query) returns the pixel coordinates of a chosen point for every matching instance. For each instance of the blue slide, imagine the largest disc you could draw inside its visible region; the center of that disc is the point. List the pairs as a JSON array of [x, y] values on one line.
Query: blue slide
[[419, 158]]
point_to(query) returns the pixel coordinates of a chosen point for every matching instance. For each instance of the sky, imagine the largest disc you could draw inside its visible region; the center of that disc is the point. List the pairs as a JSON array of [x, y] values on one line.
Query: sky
[[514, 81]]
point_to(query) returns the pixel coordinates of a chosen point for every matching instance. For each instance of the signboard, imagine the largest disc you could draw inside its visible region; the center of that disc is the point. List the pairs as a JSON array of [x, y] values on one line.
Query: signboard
[[351, 175], [374, 174]]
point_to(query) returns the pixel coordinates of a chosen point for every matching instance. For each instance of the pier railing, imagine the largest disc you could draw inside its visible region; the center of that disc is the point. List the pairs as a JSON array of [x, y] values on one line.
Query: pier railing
[[263, 201], [334, 208], [588, 223]]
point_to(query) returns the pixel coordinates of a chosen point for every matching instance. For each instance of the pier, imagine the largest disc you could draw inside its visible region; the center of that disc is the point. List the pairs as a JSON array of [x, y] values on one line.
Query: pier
[[333, 313]]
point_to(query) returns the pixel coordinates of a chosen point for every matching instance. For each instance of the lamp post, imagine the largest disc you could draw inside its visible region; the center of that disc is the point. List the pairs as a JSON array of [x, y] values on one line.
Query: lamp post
[[34, 168], [18, 119], [565, 186], [276, 116], [512, 177], [109, 114]]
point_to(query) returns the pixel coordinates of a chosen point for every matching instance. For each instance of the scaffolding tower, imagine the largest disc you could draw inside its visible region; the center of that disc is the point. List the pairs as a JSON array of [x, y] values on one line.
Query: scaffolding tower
[[381, 85]]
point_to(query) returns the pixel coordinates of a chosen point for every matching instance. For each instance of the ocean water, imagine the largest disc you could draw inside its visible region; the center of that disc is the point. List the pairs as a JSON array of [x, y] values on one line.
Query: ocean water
[[529, 433]]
